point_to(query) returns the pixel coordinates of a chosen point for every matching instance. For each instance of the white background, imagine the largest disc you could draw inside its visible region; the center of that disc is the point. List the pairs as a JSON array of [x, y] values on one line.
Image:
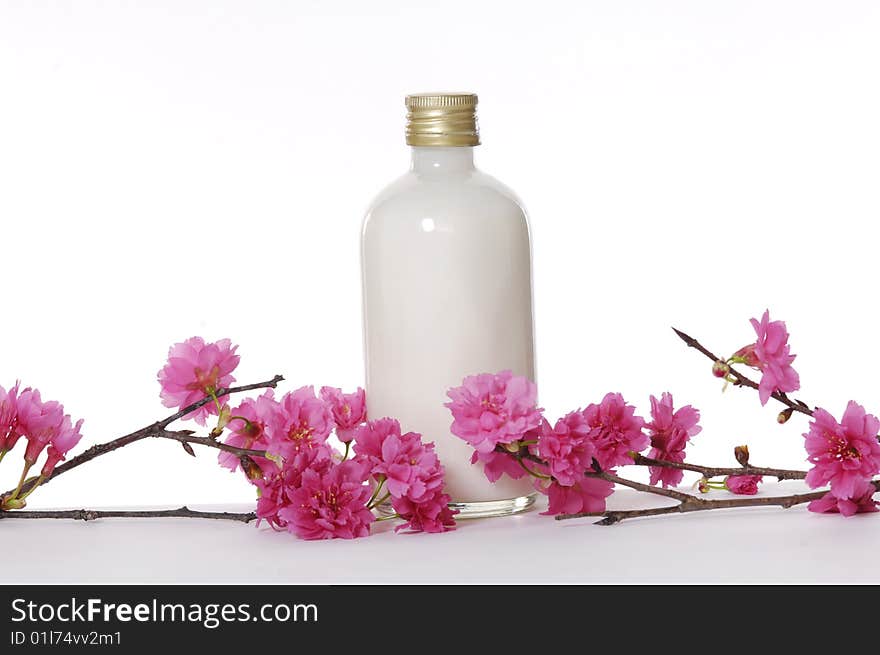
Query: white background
[[180, 168]]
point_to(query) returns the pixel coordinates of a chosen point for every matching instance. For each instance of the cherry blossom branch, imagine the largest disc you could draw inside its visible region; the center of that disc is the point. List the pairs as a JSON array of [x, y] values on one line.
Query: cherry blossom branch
[[686, 502], [696, 504], [741, 380], [640, 486], [706, 471], [523, 453], [159, 430], [92, 515], [716, 471], [188, 436]]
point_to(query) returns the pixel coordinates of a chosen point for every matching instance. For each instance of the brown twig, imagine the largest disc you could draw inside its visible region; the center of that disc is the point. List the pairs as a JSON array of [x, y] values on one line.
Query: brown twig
[[523, 453], [92, 514], [742, 380], [696, 504], [159, 430], [706, 471], [713, 471], [686, 502], [188, 437], [640, 486]]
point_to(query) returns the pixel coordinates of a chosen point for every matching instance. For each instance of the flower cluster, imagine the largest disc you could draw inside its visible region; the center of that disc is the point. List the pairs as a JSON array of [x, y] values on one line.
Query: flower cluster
[[410, 471], [311, 490], [846, 457], [574, 459], [44, 426], [499, 416], [304, 484]]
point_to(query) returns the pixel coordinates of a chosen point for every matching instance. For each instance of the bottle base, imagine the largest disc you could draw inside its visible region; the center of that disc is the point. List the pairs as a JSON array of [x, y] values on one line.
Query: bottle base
[[490, 508], [482, 509]]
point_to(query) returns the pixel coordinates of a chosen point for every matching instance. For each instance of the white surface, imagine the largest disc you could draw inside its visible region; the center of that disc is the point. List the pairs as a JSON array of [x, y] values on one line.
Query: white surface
[[148, 149], [741, 545], [447, 293]]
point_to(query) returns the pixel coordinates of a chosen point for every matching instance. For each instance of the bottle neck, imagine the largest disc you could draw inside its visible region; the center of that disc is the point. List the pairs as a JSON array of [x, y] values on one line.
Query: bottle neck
[[442, 159]]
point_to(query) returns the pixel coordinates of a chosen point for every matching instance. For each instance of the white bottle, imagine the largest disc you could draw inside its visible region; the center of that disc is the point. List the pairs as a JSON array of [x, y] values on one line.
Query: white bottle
[[447, 292]]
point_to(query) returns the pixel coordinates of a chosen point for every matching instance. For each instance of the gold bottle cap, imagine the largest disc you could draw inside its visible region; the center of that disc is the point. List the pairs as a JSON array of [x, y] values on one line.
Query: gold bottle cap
[[442, 119]]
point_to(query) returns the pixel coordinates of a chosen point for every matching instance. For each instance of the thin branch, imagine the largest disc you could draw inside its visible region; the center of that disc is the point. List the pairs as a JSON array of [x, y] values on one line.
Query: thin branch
[[523, 453], [187, 436], [713, 471], [92, 514], [157, 429], [743, 380], [686, 502], [695, 504], [707, 471], [639, 486]]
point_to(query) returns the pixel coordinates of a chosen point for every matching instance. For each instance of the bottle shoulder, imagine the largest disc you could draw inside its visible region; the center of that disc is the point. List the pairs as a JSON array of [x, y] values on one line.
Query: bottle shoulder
[[414, 192]]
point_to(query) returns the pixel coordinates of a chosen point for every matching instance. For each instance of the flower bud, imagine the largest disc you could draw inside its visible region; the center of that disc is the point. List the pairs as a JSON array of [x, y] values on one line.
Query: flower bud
[[784, 415], [747, 355], [250, 468], [743, 485], [8, 503], [703, 486], [222, 421], [742, 455], [720, 369]]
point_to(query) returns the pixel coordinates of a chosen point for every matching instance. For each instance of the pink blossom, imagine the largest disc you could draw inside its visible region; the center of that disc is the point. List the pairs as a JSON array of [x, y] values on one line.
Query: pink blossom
[[44, 425], [491, 409], [8, 418], [271, 499], [413, 474], [251, 421], [862, 500], [665, 475], [771, 354], [65, 438], [670, 431], [497, 464], [277, 486], [566, 447], [587, 495], [331, 502], [349, 410], [196, 369], [844, 454], [37, 421], [431, 514], [300, 435], [370, 437], [410, 467], [743, 485], [615, 431], [274, 490]]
